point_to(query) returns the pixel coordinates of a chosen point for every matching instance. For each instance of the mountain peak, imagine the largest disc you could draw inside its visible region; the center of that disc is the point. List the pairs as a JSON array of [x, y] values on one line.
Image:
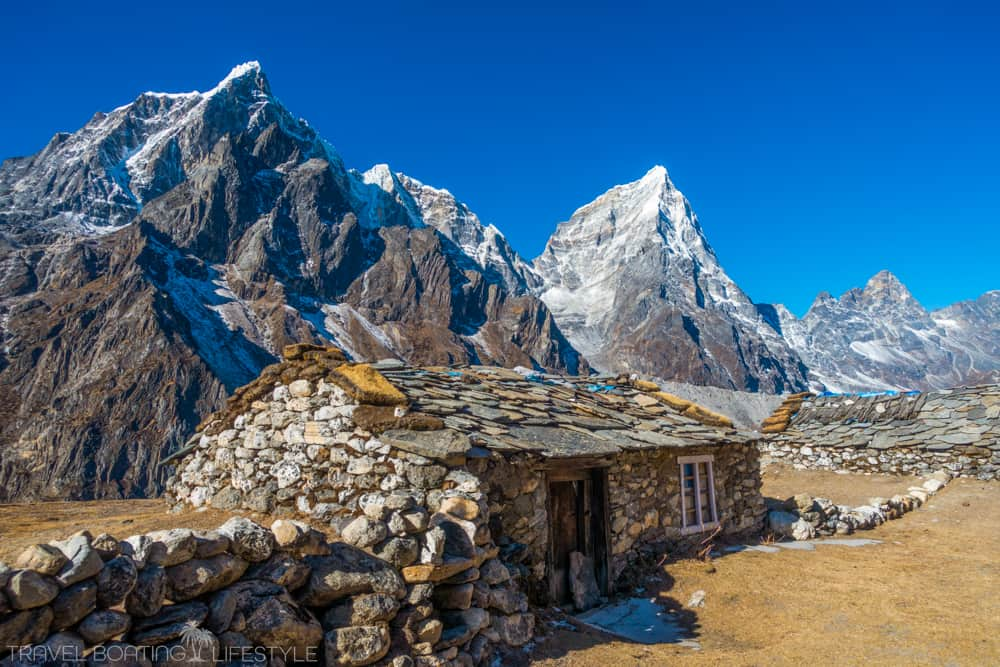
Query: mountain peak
[[248, 75], [885, 288]]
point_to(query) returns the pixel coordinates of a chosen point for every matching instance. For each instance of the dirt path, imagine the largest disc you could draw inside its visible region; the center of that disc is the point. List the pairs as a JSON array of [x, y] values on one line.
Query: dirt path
[[929, 595]]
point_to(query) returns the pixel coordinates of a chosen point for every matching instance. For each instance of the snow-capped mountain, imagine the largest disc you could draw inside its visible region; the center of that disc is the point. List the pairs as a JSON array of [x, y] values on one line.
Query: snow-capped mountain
[[165, 252], [880, 337], [635, 285]]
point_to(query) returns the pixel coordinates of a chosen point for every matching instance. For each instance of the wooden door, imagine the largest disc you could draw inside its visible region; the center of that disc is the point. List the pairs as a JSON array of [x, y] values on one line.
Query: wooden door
[[577, 522]]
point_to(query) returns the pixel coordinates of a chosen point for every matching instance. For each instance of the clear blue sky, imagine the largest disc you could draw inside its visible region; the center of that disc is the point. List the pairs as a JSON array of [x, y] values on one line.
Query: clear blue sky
[[817, 145]]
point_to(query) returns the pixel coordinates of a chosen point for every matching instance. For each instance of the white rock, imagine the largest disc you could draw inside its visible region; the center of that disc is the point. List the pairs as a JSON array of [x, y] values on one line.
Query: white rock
[[933, 486], [361, 465], [300, 388], [286, 473]]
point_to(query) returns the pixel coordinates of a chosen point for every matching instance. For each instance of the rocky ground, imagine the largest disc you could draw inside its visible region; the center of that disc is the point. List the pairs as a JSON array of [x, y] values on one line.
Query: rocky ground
[[929, 594]]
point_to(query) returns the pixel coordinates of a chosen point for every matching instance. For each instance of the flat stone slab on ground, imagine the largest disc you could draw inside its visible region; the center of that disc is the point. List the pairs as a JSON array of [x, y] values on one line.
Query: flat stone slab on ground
[[640, 620]]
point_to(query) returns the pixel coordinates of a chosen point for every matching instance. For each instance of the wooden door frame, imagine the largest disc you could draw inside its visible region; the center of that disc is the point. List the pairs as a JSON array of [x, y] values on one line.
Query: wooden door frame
[[600, 528]]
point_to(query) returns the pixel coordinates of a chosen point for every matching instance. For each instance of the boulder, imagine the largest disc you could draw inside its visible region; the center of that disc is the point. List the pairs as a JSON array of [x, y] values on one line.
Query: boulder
[[65, 646], [299, 538], [364, 532], [582, 584], [789, 525], [348, 571], [494, 572], [453, 597], [460, 535], [149, 592], [107, 546], [137, 548], [933, 485], [509, 600], [27, 589], [204, 575], [42, 558], [209, 543], [248, 540], [84, 561], [100, 626], [462, 508], [283, 624], [74, 603], [356, 646], [281, 569], [170, 623], [363, 609], [514, 630], [171, 547], [399, 551], [221, 610], [115, 581], [24, 628]]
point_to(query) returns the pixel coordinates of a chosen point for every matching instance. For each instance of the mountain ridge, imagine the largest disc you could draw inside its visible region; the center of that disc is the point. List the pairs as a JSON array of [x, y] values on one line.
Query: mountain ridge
[[165, 252]]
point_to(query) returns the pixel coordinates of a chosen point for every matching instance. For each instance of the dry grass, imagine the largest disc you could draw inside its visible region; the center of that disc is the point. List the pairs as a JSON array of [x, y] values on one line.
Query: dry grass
[[24, 525], [929, 595]]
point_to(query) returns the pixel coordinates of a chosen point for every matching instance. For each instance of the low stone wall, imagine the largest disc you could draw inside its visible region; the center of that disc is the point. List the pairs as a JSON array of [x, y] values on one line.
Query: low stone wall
[[958, 430], [245, 594], [803, 517]]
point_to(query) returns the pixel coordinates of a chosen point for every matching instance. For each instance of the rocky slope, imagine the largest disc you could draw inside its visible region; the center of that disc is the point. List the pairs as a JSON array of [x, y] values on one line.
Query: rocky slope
[[163, 254], [635, 285], [880, 337]]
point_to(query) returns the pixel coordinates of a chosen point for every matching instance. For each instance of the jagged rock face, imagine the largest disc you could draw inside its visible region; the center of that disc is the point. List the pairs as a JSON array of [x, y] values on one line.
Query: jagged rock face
[[635, 285], [163, 254], [880, 337]]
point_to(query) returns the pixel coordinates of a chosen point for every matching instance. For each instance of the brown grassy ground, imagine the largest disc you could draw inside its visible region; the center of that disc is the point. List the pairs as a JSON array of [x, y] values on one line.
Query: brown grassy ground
[[24, 525], [929, 595], [782, 482]]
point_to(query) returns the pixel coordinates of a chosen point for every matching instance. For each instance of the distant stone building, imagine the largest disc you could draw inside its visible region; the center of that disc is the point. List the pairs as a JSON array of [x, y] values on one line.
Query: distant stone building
[[439, 469], [899, 433]]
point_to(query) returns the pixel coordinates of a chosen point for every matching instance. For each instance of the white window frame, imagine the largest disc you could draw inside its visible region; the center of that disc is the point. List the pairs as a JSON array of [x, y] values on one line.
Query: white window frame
[[702, 525]]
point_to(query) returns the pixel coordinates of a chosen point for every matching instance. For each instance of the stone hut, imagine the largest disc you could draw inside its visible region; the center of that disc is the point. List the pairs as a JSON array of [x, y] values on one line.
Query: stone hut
[[903, 433], [437, 470]]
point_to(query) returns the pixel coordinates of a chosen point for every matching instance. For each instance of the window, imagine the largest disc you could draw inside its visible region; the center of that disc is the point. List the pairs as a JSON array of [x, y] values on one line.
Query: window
[[697, 494]]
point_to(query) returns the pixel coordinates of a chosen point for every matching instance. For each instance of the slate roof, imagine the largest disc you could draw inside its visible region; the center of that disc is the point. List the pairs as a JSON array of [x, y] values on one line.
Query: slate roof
[[550, 416]]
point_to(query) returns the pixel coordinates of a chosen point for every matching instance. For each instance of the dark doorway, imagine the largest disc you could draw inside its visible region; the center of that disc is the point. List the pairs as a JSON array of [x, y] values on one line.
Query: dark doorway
[[578, 521]]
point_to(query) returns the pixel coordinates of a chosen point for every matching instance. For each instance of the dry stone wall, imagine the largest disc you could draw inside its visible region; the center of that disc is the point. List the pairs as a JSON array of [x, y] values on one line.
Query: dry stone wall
[[957, 430], [392, 483], [246, 594], [644, 504]]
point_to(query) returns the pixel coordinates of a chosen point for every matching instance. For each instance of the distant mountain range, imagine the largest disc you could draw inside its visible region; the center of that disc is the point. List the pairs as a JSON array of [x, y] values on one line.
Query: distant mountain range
[[163, 254]]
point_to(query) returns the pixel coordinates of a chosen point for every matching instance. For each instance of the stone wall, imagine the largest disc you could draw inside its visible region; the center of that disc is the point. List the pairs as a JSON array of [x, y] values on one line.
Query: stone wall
[[305, 449], [644, 504], [244, 594], [957, 430]]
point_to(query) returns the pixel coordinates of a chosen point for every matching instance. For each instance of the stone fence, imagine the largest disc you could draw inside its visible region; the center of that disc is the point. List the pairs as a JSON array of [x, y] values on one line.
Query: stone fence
[[913, 433], [248, 595]]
